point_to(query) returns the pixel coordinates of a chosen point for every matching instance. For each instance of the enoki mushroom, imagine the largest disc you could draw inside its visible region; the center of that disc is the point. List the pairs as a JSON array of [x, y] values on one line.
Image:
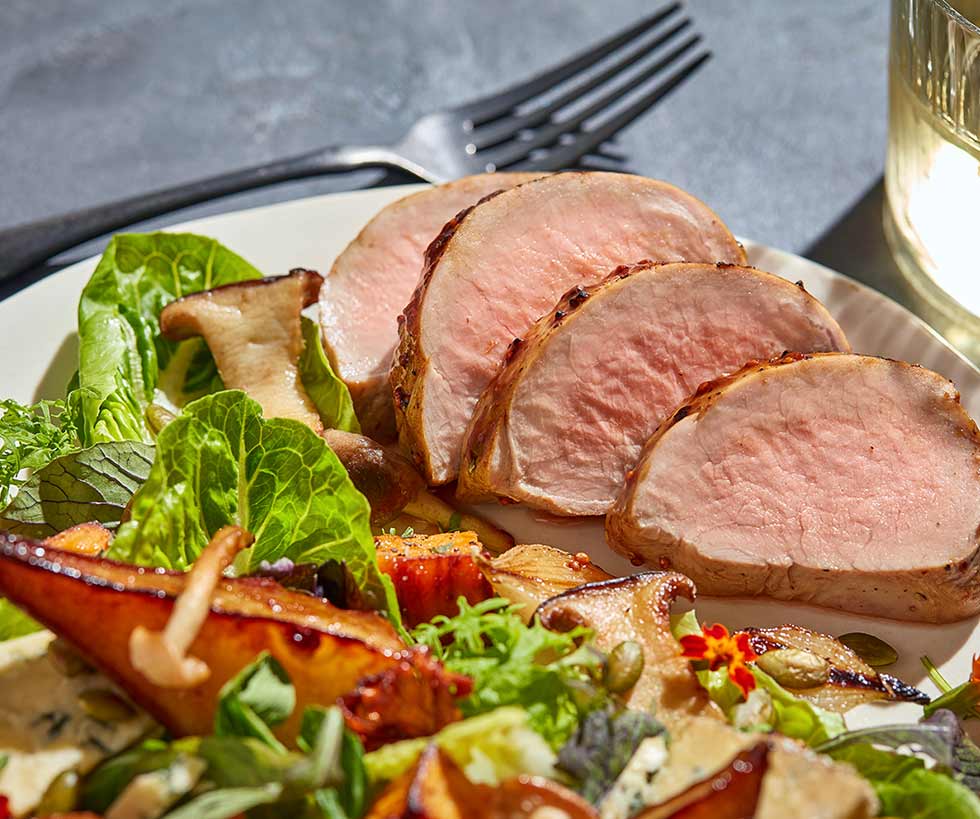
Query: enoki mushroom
[[161, 656]]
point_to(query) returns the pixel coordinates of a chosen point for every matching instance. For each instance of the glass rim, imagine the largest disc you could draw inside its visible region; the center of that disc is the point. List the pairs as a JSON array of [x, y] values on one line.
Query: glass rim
[[957, 17]]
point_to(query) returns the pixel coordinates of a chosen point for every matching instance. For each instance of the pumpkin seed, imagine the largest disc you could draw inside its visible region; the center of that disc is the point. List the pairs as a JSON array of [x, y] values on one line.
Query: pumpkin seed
[[624, 666], [105, 706], [795, 668], [873, 650], [61, 796]]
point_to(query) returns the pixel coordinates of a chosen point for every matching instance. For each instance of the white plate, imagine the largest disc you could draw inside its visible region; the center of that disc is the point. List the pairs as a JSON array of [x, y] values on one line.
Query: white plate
[[38, 350]]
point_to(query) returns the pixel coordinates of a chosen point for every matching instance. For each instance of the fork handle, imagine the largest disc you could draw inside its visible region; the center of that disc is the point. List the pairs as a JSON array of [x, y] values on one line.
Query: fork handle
[[25, 246]]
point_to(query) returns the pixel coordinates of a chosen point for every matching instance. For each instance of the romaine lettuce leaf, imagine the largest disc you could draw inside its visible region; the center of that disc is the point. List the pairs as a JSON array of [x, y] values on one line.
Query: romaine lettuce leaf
[[93, 484], [220, 462], [328, 393], [489, 748], [123, 359]]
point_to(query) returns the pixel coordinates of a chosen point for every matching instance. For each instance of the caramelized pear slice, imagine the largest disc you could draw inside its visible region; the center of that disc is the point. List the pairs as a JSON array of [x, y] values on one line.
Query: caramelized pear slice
[[82, 538], [95, 605], [732, 793], [638, 608], [436, 788], [531, 574], [432, 572], [852, 682]]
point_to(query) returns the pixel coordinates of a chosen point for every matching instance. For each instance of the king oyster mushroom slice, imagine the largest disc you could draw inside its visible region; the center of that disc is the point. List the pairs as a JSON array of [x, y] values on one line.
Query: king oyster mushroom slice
[[254, 332]]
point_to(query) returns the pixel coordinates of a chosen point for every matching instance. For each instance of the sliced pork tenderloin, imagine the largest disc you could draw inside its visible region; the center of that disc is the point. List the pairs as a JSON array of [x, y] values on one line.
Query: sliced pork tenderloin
[[567, 417], [500, 266], [842, 480], [373, 279]]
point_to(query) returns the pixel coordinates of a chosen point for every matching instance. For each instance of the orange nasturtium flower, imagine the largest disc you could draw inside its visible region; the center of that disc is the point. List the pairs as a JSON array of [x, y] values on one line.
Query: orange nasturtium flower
[[975, 673], [718, 648]]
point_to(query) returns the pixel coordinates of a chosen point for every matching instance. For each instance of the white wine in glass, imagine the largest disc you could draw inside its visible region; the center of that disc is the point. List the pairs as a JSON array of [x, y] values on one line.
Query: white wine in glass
[[932, 177]]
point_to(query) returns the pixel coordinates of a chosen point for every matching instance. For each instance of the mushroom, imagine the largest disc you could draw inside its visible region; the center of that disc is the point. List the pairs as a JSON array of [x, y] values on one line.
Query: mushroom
[[254, 333], [161, 656], [395, 490]]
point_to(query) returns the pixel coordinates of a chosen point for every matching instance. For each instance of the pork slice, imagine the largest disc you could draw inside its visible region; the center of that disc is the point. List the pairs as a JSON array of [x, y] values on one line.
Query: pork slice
[[567, 416], [373, 279], [842, 480], [500, 266]]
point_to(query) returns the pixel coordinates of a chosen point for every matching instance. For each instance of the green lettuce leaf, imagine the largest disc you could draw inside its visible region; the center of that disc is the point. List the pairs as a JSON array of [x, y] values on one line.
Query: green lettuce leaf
[[906, 788], [255, 701], [227, 802], [512, 663], [93, 484], [31, 437], [123, 359], [796, 717], [490, 748], [350, 800], [102, 787], [329, 394], [327, 772], [14, 623], [219, 463]]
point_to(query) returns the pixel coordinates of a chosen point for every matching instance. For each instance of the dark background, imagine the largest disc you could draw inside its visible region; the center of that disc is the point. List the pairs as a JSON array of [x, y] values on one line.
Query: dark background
[[782, 132]]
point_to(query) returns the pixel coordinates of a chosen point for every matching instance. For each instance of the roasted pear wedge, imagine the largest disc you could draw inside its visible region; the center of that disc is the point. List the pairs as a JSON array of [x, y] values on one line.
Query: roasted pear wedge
[[637, 608], [437, 789], [96, 604], [431, 572], [732, 793], [850, 681], [715, 771]]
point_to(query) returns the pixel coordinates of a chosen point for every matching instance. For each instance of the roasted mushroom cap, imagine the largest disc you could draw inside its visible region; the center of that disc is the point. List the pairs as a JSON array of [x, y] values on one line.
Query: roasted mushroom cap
[[254, 333], [385, 477], [637, 608], [395, 489]]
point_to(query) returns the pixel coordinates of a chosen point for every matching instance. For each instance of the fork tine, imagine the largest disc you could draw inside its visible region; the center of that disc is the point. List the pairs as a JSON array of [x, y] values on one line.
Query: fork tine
[[492, 106], [516, 150], [587, 141], [504, 129]]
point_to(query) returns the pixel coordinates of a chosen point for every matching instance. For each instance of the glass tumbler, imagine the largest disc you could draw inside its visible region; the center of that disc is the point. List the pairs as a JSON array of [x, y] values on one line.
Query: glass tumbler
[[932, 173]]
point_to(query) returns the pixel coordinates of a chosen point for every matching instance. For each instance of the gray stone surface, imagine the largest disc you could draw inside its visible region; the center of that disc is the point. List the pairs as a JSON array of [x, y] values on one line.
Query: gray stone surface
[[781, 132]]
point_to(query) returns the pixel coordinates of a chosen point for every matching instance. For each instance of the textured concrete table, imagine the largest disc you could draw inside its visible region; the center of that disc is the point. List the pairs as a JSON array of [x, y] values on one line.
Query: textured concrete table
[[782, 131]]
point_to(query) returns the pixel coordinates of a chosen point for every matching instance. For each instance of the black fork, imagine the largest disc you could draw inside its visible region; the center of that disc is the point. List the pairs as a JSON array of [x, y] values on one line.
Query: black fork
[[546, 123]]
